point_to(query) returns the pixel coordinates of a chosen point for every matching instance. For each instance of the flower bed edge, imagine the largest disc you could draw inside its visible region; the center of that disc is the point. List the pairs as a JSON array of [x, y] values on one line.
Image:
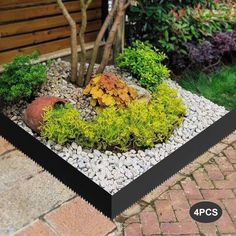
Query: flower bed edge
[[112, 205]]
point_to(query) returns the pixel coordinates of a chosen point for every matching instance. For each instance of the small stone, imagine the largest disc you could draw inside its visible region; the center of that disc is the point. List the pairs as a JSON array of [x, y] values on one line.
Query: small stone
[[153, 161], [108, 153], [74, 156], [132, 151], [79, 150], [97, 153], [57, 147], [74, 145], [81, 165], [128, 174], [90, 155], [65, 150]]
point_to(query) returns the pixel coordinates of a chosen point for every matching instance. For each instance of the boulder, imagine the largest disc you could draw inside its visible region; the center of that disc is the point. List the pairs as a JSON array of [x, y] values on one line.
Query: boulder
[[33, 115], [143, 94]]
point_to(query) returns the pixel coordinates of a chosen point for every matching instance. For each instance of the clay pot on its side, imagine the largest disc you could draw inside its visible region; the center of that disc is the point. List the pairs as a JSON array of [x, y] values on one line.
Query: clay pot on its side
[[33, 115]]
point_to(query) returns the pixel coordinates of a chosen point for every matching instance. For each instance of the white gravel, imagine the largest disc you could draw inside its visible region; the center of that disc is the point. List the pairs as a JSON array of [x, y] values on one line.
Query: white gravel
[[113, 171]]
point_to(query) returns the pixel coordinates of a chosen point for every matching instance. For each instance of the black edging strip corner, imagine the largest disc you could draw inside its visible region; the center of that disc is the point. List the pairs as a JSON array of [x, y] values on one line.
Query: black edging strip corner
[[173, 163], [58, 167], [112, 205]]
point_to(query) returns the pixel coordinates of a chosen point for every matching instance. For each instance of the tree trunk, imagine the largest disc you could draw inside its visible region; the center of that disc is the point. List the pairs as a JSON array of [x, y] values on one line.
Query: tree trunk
[[82, 44], [74, 54], [111, 37], [99, 38]]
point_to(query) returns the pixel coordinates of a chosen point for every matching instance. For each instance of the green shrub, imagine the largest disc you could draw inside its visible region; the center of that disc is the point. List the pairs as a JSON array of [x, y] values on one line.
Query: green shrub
[[144, 61], [20, 78], [169, 24], [137, 126]]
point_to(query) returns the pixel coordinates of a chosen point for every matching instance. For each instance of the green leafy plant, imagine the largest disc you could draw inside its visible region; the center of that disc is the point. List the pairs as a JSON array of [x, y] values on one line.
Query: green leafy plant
[[20, 78], [109, 90], [198, 23], [137, 126], [170, 24], [144, 61], [219, 86]]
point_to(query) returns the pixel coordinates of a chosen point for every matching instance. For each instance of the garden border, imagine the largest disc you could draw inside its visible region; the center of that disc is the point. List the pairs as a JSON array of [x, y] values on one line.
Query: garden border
[[112, 205]]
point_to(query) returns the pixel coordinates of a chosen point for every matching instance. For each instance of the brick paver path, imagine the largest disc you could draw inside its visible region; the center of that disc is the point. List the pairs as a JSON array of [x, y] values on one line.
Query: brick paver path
[[34, 203]]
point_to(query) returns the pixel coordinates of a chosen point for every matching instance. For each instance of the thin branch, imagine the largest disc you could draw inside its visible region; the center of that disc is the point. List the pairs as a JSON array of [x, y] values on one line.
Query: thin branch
[[127, 5], [74, 54], [112, 34], [84, 7], [99, 38], [88, 3]]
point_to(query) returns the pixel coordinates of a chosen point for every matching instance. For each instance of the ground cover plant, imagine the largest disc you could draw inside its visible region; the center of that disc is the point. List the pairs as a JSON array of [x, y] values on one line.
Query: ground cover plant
[[21, 78], [218, 86], [140, 125], [144, 61]]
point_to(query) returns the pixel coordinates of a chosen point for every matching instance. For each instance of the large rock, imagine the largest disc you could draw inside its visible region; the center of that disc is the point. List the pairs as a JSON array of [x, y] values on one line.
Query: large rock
[[33, 115], [143, 94]]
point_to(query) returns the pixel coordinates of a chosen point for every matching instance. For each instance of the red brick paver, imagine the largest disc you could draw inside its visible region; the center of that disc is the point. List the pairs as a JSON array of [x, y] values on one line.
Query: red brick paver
[[79, 218], [211, 177], [133, 230], [165, 211], [149, 222], [231, 154], [179, 228], [230, 205]]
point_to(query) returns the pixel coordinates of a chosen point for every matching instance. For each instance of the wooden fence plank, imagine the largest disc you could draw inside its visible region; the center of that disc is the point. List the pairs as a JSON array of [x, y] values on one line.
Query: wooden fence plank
[[41, 11], [44, 23], [43, 48], [43, 36], [29, 25], [14, 3]]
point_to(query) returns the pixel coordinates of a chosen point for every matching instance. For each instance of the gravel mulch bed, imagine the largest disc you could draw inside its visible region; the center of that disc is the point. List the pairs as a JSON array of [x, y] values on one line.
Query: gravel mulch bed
[[113, 171]]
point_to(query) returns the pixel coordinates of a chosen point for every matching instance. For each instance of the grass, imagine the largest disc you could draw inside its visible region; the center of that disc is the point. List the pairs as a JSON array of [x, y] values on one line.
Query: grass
[[219, 86]]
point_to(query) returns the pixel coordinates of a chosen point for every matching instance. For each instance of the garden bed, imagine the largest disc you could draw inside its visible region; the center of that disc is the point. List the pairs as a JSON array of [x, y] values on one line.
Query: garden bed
[[124, 133], [112, 180], [111, 170]]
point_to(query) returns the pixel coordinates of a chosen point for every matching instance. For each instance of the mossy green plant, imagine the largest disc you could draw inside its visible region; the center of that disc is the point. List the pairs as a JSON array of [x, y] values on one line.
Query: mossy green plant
[[137, 126], [144, 61], [21, 78]]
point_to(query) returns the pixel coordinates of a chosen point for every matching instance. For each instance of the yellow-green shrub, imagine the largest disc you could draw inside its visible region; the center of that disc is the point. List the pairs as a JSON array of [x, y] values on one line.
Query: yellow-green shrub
[[108, 90], [137, 126]]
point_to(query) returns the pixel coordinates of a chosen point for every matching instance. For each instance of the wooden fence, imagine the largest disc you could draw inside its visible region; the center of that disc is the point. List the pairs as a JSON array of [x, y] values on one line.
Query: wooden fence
[[29, 25]]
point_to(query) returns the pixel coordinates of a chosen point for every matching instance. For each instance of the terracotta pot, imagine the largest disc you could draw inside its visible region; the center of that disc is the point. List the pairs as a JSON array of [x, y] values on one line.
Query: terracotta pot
[[33, 115]]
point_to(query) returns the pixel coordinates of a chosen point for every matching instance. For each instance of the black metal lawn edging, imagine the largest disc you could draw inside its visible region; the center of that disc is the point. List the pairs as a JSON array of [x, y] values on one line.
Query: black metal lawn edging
[[112, 205]]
